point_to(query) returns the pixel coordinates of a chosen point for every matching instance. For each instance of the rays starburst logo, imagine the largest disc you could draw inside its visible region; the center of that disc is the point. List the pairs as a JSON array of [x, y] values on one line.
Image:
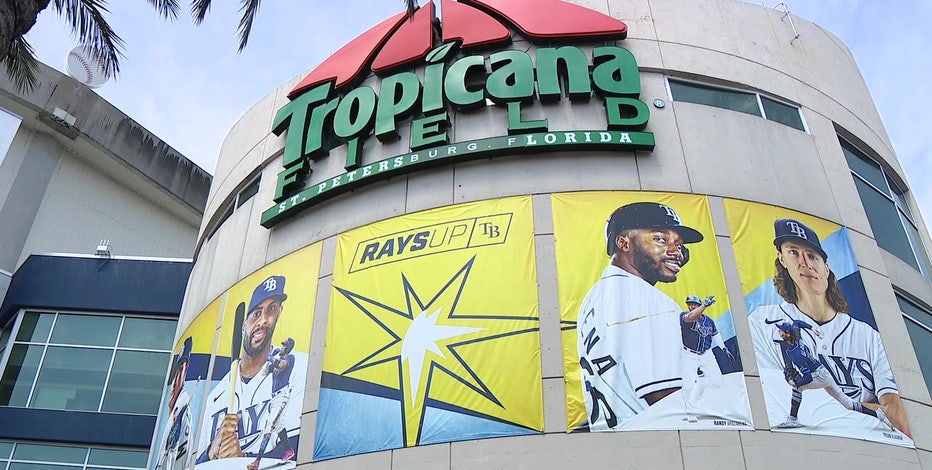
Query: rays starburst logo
[[427, 343]]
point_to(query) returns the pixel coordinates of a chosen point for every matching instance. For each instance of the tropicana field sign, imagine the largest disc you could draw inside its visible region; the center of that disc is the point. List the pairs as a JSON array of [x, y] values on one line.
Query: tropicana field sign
[[326, 111]]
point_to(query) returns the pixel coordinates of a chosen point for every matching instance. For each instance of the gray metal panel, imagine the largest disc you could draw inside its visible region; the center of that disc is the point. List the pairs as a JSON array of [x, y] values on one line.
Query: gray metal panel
[[29, 187]]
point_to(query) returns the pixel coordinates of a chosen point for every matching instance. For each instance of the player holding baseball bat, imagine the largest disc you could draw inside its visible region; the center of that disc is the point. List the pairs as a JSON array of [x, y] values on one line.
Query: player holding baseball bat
[[227, 442], [235, 427]]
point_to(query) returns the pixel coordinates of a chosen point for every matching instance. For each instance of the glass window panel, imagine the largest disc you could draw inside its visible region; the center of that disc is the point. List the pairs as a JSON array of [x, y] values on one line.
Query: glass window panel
[[922, 342], [40, 466], [35, 327], [147, 333], [71, 379], [47, 453], [226, 214], [885, 222], [900, 197], [782, 113], [118, 458], [727, 99], [248, 192], [90, 330], [5, 449], [19, 374], [915, 312], [136, 382], [916, 243], [865, 167]]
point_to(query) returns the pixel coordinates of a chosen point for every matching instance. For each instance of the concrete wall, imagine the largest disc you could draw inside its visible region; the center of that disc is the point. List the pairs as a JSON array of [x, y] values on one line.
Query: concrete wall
[[64, 187], [57, 202], [700, 149]]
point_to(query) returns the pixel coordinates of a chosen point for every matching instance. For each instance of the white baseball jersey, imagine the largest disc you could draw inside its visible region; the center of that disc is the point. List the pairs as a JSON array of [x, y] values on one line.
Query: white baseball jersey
[[173, 450], [254, 402], [695, 388], [850, 350], [629, 346]]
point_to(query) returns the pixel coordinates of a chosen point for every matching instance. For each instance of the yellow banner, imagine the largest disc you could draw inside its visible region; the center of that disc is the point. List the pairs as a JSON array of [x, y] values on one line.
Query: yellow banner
[[433, 331], [821, 362], [641, 335], [184, 393], [266, 328]]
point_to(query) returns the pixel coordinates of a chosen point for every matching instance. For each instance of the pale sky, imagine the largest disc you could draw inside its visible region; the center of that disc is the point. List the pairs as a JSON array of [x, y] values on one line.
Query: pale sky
[[188, 85]]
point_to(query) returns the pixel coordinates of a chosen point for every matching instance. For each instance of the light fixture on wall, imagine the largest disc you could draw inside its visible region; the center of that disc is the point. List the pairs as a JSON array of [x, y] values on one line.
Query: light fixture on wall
[[103, 248]]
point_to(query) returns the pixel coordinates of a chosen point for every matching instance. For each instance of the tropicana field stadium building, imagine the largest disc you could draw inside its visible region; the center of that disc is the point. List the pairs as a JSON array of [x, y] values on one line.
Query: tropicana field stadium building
[[424, 213]]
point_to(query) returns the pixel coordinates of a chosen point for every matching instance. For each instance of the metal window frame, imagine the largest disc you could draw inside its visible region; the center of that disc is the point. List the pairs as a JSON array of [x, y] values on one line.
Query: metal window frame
[[893, 188], [757, 96], [6, 460], [17, 324]]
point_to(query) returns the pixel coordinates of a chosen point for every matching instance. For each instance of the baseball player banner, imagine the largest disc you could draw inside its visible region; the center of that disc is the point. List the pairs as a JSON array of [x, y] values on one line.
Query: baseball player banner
[[184, 393], [252, 413], [648, 337], [433, 334], [822, 364]]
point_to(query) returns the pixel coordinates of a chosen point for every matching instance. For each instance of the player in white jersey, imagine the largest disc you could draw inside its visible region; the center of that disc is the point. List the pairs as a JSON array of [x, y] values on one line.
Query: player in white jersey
[[850, 350], [227, 434], [178, 428], [629, 340], [700, 335]]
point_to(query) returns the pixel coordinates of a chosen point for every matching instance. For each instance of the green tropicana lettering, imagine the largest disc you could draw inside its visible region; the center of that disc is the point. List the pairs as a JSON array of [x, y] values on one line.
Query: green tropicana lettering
[[320, 118]]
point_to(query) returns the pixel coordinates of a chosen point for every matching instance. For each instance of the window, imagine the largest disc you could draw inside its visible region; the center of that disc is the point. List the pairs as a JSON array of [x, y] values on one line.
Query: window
[[741, 101], [247, 193], [28, 456], [885, 205], [82, 362], [919, 325], [250, 190], [782, 113]]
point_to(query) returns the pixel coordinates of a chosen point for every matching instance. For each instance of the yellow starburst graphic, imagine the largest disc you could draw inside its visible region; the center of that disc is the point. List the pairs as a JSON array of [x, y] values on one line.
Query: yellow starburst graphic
[[433, 331], [426, 344]]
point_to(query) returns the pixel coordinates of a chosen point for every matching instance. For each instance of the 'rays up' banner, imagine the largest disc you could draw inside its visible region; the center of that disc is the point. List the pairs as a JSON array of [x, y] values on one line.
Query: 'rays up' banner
[[433, 333]]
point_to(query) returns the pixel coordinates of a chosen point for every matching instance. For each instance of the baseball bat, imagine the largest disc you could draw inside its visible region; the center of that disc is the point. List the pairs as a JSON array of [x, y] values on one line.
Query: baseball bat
[[638, 318], [236, 350]]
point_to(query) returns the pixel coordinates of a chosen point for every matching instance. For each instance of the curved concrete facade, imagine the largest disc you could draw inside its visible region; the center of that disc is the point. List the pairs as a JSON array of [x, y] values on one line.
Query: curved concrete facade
[[700, 150]]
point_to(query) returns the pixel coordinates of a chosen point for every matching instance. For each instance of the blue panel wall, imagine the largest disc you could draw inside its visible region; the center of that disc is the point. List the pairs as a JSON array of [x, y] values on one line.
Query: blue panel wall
[[126, 286], [97, 284]]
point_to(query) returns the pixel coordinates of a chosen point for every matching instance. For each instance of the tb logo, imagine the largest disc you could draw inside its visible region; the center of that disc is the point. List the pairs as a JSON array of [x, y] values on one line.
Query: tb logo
[[671, 213], [269, 285], [796, 229], [490, 230]]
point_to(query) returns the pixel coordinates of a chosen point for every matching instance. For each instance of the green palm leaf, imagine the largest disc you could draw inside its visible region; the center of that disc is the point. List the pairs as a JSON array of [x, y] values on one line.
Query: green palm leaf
[[21, 65]]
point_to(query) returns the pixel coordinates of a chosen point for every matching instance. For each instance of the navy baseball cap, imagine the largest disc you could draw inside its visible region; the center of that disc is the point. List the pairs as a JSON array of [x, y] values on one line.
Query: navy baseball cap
[[788, 327], [646, 215], [693, 299], [184, 356], [273, 287], [785, 230]]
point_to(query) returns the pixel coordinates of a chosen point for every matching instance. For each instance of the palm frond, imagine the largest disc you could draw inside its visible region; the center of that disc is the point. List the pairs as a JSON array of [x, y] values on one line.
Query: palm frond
[[21, 65], [410, 7], [199, 9], [167, 8], [249, 9], [86, 18]]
